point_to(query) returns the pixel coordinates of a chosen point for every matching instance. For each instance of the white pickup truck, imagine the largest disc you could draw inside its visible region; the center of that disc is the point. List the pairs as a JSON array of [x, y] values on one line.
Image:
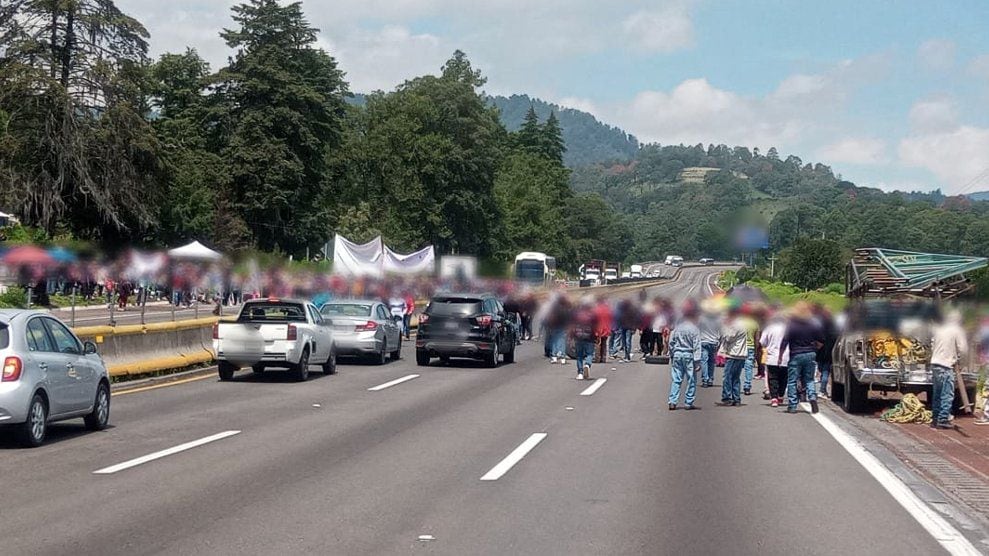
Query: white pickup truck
[[286, 333]]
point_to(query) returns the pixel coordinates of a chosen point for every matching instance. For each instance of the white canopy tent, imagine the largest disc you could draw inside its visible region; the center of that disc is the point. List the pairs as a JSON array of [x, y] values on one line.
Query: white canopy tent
[[194, 251]]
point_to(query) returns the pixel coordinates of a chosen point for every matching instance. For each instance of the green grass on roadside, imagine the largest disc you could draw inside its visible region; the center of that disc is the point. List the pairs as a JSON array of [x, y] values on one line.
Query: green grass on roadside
[[830, 296]]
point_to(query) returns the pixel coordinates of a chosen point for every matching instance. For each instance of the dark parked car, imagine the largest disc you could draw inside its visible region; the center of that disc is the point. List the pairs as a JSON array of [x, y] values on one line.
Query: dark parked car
[[475, 326]]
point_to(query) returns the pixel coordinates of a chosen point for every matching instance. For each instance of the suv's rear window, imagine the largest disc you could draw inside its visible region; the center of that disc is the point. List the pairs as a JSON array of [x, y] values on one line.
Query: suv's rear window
[[272, 311], [454, 306], [4, 335], [346, 310]]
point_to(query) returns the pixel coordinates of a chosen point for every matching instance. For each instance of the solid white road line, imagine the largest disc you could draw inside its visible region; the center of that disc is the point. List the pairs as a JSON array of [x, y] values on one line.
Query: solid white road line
[[514, 457], [943, 532], [163, 453], [594, 387], [707, 282], [392, 383]]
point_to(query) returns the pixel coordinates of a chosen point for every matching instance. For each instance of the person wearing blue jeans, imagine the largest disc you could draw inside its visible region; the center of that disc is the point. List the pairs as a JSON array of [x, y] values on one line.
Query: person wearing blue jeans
[[585, 356], [944, 394], [803, 337], [749, 365], [627, 342], [825, 370], [731, 382], [801, 368], [708, 354], [558, 343], [685, 357]]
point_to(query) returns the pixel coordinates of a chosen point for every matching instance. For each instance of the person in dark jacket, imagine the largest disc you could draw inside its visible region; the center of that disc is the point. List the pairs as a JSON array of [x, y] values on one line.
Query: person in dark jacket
[[803, 337], [628, 320], [824, 357]]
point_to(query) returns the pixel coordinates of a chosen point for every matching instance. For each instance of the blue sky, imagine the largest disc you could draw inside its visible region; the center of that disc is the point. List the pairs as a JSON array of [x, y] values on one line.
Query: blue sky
[[891, 94]]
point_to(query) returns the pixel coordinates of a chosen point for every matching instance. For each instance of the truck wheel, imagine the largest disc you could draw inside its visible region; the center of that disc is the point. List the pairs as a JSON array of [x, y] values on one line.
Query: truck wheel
[[300, 371], [492, 359], [31, 432], [422, 358], [258, 368], [510, 356], [397, 354], [330, 367], [856, 394], [837, 391], [226, 370]]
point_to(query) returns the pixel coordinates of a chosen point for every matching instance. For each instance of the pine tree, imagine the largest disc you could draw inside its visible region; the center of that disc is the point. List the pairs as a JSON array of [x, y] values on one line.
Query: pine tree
[[553, 144], [283, 102], [530, 136]]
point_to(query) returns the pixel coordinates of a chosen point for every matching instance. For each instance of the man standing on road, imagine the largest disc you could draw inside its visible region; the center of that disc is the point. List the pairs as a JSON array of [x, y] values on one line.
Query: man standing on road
[[751, 330], [584, 322], [410, 307], [803, 337], [777, 360], [734, 347], [948, 345], [685, 356], [824, 357], [629, 323], [710, 329]]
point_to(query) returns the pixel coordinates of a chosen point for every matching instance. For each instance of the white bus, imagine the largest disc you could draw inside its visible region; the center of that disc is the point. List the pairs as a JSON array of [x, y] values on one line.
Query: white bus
[[534, 268]]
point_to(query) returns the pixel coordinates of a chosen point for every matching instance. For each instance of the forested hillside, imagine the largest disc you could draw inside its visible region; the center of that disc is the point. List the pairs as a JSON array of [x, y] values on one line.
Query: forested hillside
[[588, 140]]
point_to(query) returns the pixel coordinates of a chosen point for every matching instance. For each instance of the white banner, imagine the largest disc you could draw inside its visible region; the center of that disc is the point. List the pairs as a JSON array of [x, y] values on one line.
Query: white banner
[[351, 259], [422, 261]]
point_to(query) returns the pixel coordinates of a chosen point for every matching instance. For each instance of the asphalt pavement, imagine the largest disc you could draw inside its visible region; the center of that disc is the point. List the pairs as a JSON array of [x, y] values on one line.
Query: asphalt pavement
[[332, 467]]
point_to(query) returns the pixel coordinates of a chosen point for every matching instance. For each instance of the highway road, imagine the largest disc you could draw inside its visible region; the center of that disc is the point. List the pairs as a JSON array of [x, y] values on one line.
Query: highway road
[[521, 459]]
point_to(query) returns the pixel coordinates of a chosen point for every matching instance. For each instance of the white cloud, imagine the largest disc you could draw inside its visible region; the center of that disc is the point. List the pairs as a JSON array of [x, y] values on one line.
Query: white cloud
[[936, 54], [933, 115], [383, 58], [582, 104], [955, 157], [665, 30], [854, 150]]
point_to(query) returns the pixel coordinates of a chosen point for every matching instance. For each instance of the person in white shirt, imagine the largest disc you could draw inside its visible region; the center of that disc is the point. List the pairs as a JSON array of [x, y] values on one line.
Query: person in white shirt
[[948, 345], [777, 360], [397, 307]]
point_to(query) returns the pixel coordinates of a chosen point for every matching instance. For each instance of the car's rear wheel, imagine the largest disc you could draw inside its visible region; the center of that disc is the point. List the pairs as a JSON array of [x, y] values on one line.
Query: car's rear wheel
[[381, 357], [422, 358], [31, 432], [226, 370], [397, 354], [330, 366], [98, 419], [300, 371], [258, 369], [492, 358], [510, 356]]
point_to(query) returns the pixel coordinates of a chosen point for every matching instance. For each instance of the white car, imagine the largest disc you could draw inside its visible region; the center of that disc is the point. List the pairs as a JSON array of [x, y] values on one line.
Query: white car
[[271, 332]]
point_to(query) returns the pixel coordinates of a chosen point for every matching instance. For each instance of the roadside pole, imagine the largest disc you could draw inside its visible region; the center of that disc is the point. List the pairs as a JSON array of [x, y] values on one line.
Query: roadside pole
[[73, 306], [143, 292], [30, 290]]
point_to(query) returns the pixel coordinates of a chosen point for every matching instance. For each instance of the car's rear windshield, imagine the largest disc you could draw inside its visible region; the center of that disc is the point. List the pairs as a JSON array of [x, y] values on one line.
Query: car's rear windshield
[[346, 310], [273, 311], [4, 335], [454, 306]]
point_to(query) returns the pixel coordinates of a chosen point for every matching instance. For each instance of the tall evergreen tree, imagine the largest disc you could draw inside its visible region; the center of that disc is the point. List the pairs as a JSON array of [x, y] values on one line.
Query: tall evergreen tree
[[553, 144], [283, 103], [77, 151], [530, 136]]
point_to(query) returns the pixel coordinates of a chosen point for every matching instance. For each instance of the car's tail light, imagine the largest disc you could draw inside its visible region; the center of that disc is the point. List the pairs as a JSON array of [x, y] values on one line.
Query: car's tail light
[[11, 369], [293, 333], [483, 320], [216, 331], [366, 327], [423, 318]]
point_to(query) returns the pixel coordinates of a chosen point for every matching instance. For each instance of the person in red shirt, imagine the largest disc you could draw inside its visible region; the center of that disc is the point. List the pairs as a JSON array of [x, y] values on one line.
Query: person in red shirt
[[602, 329], [410, 307]]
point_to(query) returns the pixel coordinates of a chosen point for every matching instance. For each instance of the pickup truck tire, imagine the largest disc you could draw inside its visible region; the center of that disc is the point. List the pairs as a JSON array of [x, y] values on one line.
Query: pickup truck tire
[[837, 391], [300, 371], [397, 354], [422, 358], [856, 394], [330, 367], [226, 370], [492, 358]]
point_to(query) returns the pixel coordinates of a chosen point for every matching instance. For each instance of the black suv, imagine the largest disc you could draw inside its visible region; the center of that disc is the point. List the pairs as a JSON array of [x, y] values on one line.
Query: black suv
[[474, 326]]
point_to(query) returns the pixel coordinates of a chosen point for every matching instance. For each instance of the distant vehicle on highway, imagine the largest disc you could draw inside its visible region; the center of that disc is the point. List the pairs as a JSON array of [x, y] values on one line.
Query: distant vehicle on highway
[[676, 261], [534, 268], [635, 271], [610, 274], [707, 261], [626, 275], [285, 333], [48, 375], [474, 326], [363, 328]]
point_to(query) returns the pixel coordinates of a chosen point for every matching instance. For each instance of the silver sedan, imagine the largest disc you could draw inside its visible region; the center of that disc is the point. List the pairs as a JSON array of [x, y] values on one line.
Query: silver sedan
[[48, 375], [364, 327]]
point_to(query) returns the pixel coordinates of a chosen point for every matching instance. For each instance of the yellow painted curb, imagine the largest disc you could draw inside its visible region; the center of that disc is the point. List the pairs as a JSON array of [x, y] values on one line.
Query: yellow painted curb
[[161, 363], [130, 329]]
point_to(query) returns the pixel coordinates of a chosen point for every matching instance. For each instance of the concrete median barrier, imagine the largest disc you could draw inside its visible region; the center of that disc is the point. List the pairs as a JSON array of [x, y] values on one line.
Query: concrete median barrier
[[160, 346]]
